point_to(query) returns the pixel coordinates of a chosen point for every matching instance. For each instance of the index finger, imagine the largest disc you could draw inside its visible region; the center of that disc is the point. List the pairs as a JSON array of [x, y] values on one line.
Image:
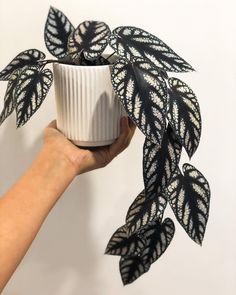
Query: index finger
[[121, 142]]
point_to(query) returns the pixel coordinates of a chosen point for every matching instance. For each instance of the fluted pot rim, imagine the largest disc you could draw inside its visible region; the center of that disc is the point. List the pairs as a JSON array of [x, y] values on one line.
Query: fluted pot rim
[[114, 58], [81, 66]]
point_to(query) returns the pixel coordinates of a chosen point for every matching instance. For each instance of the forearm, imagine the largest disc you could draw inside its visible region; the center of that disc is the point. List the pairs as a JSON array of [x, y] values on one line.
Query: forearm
[[26, 205]]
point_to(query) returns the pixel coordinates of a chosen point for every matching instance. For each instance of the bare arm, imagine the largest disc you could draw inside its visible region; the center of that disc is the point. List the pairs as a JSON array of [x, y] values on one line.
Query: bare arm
[[26, 205]]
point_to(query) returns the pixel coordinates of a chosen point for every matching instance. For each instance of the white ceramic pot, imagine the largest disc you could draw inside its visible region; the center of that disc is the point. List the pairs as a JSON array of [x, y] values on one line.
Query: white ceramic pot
[[88, 111]]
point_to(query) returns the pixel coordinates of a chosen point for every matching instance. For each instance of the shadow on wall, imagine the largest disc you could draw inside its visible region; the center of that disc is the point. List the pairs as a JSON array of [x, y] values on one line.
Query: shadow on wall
[[62, 256]]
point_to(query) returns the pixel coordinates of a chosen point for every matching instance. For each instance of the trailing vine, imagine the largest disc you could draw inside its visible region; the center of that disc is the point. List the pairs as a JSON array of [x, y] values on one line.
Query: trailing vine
[[164, 108]]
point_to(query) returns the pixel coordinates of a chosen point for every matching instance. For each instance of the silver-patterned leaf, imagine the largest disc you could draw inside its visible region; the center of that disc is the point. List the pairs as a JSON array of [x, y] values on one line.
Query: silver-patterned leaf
[[56, 32], [132, 41], [160, 162], [143, 211], [97, 62], [131, 268], [143, 93], [9, 98], [183, 113], [121, 244], [32, 87], [189, 197], [25, 58], [90, 38], [158, 237]]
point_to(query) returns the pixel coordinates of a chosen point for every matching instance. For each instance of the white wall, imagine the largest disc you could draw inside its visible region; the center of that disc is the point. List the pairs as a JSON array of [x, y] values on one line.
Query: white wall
[[66, 258]]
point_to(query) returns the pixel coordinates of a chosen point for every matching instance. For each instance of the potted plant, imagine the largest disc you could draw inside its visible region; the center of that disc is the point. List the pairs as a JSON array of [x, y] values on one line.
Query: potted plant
[[164, 108]]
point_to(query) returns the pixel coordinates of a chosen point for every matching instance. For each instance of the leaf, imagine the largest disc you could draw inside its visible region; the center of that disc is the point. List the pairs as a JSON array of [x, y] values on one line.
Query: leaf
[[27, 57], [131, 41], [32, 87], [160, 162], [189, 197], [183, 113], [143, 93], [56, 32], [9, 99], [99, 61], [158, 237], [131, 268], [143, 211], [91, 38], [121, 244]]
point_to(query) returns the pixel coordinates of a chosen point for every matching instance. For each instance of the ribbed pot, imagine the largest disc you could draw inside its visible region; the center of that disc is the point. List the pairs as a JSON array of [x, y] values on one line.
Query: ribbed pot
[[88, 111]]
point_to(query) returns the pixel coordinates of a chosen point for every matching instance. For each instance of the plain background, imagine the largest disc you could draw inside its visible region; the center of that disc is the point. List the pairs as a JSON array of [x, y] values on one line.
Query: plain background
[[66, 258]]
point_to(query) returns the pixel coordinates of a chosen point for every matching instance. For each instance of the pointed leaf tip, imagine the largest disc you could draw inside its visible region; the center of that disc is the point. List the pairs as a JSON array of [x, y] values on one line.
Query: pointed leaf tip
[[130, 41], [89, 38], [56, 32], [30, 97], [183, 113], [189, 197]]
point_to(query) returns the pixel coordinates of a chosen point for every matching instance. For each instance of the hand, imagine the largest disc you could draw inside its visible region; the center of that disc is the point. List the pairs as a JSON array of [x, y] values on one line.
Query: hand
[[87, 159]]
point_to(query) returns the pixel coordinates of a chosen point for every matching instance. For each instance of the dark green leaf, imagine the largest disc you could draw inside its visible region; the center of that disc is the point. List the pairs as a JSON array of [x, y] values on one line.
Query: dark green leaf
[[131, 41], [56, 32], [131, 268], [143, 211], [159, 163], [27, 57], [32, 87], [189, 197], [121, 244], [143, 93], [91, 38], [158, 237], [99, 61], [9, 99], [183, 113]]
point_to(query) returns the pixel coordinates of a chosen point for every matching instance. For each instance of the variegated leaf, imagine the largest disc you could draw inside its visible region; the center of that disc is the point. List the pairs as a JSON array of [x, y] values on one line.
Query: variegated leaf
[[91, 38], [9, 99], [131, 268], [143, 211], [143, 93], [121, 244], [132, 41], [25, 58], [98, 61], [183, 113], [189, 197], [160, 162], [158, 237], [32, 87], [56, 32]]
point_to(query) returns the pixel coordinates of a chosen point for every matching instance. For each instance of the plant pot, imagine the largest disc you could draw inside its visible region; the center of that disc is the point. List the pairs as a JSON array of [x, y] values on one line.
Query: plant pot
[[88, 111]]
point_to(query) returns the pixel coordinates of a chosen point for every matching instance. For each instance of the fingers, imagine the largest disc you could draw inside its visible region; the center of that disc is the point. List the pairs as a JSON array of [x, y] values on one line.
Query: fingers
[[127, 128], [53, 124], [132, 127]]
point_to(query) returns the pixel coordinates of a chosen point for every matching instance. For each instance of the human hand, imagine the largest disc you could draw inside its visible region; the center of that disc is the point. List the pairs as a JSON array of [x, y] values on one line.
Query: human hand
[[87, 159]]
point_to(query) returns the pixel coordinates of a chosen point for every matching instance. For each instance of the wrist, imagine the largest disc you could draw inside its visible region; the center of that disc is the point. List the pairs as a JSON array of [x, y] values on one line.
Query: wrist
[[57, 161]]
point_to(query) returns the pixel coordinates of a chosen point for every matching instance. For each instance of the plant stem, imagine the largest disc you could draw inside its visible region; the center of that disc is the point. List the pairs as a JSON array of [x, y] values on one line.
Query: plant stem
[[45, 62]]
